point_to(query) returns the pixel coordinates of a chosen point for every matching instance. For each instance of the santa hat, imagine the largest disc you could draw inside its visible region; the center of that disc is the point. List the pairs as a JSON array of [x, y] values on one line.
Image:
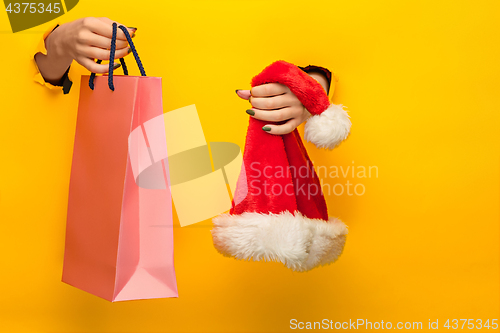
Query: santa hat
[[279, 212]]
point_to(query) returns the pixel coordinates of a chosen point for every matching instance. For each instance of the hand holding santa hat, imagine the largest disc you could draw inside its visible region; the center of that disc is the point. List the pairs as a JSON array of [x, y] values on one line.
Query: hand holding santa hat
[[330, 123], [279, 213]]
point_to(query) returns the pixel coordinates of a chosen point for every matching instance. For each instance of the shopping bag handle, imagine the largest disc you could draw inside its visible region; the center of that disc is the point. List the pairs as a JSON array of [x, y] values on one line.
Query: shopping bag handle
[[122, 61]]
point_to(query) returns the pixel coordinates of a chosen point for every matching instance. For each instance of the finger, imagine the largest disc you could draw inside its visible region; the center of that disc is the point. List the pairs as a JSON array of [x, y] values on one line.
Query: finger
[[244, 94], [104, 27], [93, 66], [98, 53], [122, 52], [102, 42], [286, 128], [119, 33], [269, 89], [274, 115], [272, 103]]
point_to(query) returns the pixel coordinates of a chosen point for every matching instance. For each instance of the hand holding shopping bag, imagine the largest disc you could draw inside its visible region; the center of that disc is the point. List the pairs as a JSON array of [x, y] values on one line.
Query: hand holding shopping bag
[[119, 237]]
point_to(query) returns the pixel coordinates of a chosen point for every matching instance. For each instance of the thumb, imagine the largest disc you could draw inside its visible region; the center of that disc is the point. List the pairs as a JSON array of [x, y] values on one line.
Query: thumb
[[244, 94]]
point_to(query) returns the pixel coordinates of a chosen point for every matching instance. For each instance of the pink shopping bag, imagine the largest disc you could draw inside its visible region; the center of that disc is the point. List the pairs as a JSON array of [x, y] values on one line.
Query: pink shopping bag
[[119, 237]]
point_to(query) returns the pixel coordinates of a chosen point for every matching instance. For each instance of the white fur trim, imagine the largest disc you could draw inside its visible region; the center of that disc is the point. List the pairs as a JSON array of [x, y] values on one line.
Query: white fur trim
[[298, 242], [328, 129]]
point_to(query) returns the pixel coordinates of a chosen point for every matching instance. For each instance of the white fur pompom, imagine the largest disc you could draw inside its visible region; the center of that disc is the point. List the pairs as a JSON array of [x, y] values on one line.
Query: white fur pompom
[[328, 129]]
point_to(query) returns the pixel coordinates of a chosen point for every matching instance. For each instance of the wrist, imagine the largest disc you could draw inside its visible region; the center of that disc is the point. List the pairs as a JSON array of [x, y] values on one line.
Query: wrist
[[55, 63], [54, 43], [321, 80]]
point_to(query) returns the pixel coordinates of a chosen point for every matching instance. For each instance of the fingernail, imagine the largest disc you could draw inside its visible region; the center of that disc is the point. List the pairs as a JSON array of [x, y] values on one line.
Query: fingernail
[[251, 112], [266, 128], [133, 35], [129, 50], [115, 66], [132, 28]]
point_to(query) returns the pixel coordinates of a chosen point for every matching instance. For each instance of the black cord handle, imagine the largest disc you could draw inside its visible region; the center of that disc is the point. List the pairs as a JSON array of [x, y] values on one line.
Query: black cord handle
[[92, 77], [122, 61], [134, 51]]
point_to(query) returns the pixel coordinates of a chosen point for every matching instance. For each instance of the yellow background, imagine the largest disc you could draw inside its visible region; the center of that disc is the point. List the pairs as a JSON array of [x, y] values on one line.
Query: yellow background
[[421, 80]]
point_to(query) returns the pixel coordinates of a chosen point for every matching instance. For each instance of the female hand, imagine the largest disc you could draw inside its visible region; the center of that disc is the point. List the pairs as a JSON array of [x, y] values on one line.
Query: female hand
[[274, 102], [82, 40]]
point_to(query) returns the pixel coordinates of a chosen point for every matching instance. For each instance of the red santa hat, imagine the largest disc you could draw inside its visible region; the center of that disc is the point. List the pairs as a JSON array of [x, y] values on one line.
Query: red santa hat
[[279, 212]]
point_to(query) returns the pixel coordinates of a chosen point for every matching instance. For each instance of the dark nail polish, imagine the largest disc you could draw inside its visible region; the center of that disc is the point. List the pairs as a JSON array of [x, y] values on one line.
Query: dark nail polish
[[251, 112], [129, 50], [133, 35], [115, 66], [266, 128], [132, 28], [237, 90]]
